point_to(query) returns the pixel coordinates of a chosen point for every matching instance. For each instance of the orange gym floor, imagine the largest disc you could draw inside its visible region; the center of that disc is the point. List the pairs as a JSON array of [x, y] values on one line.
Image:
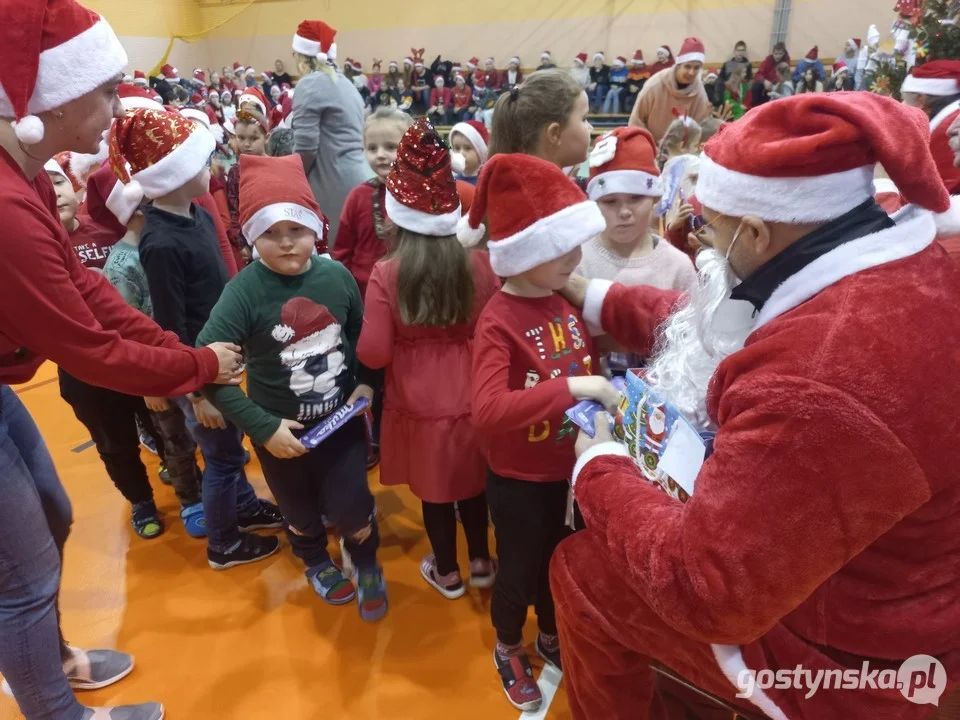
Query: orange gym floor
[[255, 642]]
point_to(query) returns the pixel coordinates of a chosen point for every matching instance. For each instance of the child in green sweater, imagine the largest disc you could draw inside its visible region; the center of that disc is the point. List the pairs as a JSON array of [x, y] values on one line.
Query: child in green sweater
[[298, 318]]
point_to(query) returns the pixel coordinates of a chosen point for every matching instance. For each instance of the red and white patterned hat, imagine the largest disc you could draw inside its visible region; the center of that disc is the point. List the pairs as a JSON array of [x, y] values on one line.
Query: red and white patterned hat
[[624, 161]]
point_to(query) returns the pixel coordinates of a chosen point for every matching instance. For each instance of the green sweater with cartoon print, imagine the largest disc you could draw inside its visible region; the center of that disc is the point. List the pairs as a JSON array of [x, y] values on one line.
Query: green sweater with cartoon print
[[299, 336]]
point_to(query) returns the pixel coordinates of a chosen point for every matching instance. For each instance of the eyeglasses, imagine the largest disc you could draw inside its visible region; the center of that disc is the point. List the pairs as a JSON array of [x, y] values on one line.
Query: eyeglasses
[[700, 225]]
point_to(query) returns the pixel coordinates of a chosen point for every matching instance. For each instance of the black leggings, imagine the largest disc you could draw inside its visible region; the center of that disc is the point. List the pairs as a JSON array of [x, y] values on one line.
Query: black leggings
[[441, 523]]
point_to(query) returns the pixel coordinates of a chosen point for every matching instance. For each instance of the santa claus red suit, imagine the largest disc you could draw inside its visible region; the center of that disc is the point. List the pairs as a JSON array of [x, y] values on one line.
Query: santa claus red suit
[[824, 529]]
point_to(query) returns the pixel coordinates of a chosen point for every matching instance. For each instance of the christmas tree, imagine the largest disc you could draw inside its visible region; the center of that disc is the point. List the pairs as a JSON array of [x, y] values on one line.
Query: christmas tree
[[925, 30]]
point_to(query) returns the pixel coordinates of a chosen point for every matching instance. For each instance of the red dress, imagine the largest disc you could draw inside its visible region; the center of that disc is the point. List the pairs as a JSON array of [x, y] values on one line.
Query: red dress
[[427, 439]]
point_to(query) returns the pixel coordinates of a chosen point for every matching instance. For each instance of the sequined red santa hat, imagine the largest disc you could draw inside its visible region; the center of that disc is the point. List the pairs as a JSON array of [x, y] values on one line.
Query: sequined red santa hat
[[421, 192], [692, 50], [107, 203], [937, 77], [301, 317], [476, 133], [314, 38], [812, 158], [44, 43], [132, 96], [140, 79], [273, 190], [170, 72], [253, 95], [624, 161], [534, 212], [156, 152]]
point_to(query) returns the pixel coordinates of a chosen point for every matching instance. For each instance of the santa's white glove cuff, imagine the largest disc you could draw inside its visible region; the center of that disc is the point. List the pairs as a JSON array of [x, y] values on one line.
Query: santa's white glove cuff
[[606, 448], [593, 305]]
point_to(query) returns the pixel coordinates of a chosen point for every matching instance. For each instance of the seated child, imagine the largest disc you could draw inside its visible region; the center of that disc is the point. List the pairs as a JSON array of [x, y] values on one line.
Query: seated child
[[421, 312], [462, 99], [636, 79], [441, 103], [625, 183], [111, 207], [298, 317], [784, 88], [164, 155], [403, 96], [469, 141], [618, 80], [532, 360], [250, 129], [681, 138], [365, 230]]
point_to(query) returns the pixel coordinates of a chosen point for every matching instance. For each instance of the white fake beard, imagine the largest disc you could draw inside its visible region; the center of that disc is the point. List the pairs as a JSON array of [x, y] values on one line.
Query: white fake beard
[[690, 346]]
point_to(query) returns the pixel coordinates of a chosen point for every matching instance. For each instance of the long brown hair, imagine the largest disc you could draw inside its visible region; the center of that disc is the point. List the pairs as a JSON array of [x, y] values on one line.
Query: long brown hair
[[434, 280], [521, 115]]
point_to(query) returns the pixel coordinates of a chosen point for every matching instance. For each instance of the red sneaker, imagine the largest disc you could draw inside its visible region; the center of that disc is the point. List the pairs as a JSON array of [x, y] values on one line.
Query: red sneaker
[[518, 684]]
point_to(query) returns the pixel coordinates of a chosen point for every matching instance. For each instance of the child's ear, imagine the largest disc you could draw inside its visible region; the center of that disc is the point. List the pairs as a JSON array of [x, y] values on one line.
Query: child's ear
[[553, 132]]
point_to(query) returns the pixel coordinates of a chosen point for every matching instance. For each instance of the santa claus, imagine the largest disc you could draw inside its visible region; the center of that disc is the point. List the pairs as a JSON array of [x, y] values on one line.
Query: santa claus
[[824, 532]]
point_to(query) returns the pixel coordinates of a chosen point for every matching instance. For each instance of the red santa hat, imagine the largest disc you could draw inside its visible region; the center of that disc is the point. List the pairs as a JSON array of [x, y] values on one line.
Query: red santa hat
[[314, 38], [170, 72], [70, 164], [56, 51], [598, 55], [473, 62], [273, 190], [938, 77], [393, 65], [238, 67], [489, 60], [814, 53], [582, 58], [692, 50], [535, 213], [421, 192], [52, 166], [155, 152], [408, 61], [200, 75], [856, 42], [620, 61], [203, 119], [665, 49], [813, 156], [253, 95], [132, 96], [140, 79], [476, 132], [301, 317], [624, 161], [226, 93], [638, 58], [840, 67], [107, 203], [545, 55]]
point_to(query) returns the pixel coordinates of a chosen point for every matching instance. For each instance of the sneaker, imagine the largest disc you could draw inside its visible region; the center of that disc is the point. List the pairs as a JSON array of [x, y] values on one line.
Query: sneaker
[[550, 656], [194, 520], [92, 669], [250, 549], [331, 584], [372, 589], [148, 443], [267, 517], [144, 711], [146, 520], [483, 573], [164, 474], [516, 675], [449, 585]]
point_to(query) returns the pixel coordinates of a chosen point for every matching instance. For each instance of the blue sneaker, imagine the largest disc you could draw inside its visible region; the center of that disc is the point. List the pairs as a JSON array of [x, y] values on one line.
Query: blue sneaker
[[372, 588], [194, 520]]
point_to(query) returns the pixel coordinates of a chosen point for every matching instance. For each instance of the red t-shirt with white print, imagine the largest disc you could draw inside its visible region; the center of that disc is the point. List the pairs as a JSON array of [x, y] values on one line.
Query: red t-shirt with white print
[[524, 350], [92, 242]]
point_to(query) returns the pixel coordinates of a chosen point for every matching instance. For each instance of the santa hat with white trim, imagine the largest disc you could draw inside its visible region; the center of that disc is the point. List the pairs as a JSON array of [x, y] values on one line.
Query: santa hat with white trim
[[937, 77], [840, 67], [155, 153], [421, 192], [581, 58], [169, 72], [665, 49], [638, 58], [253, 95], [535, 213], [624, 161], [201, 117], [476, 132], [44, 42], [140, 79], [620, 61], [598, 55], [132, 96], [314, 38], [107, 203], [692, 50], [813, 156], [273, 190], [52, 166]]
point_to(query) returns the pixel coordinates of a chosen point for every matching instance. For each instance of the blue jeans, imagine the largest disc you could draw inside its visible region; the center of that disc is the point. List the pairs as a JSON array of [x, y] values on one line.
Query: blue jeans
[[35, 519], [226, 491], [612, 103], [596, 97]]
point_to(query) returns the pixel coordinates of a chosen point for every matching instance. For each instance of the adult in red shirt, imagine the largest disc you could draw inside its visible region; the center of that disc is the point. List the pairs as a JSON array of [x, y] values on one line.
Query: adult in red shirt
[[767, 78], [823, 532], [51, 307]]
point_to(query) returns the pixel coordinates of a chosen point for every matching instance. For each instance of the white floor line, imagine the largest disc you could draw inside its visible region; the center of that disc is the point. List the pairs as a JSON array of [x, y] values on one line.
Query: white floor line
[[548, 681]]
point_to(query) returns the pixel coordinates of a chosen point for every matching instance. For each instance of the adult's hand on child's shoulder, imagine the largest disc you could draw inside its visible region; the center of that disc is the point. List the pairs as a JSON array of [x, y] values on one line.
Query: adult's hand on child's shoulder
[[283, 444], [575, 291]]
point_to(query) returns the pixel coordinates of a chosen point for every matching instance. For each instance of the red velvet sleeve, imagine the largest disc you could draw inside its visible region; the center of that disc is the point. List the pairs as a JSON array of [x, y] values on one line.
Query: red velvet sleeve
[[786, 500], [630, 314], [495, 406], [375, 349], [58, 309]]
